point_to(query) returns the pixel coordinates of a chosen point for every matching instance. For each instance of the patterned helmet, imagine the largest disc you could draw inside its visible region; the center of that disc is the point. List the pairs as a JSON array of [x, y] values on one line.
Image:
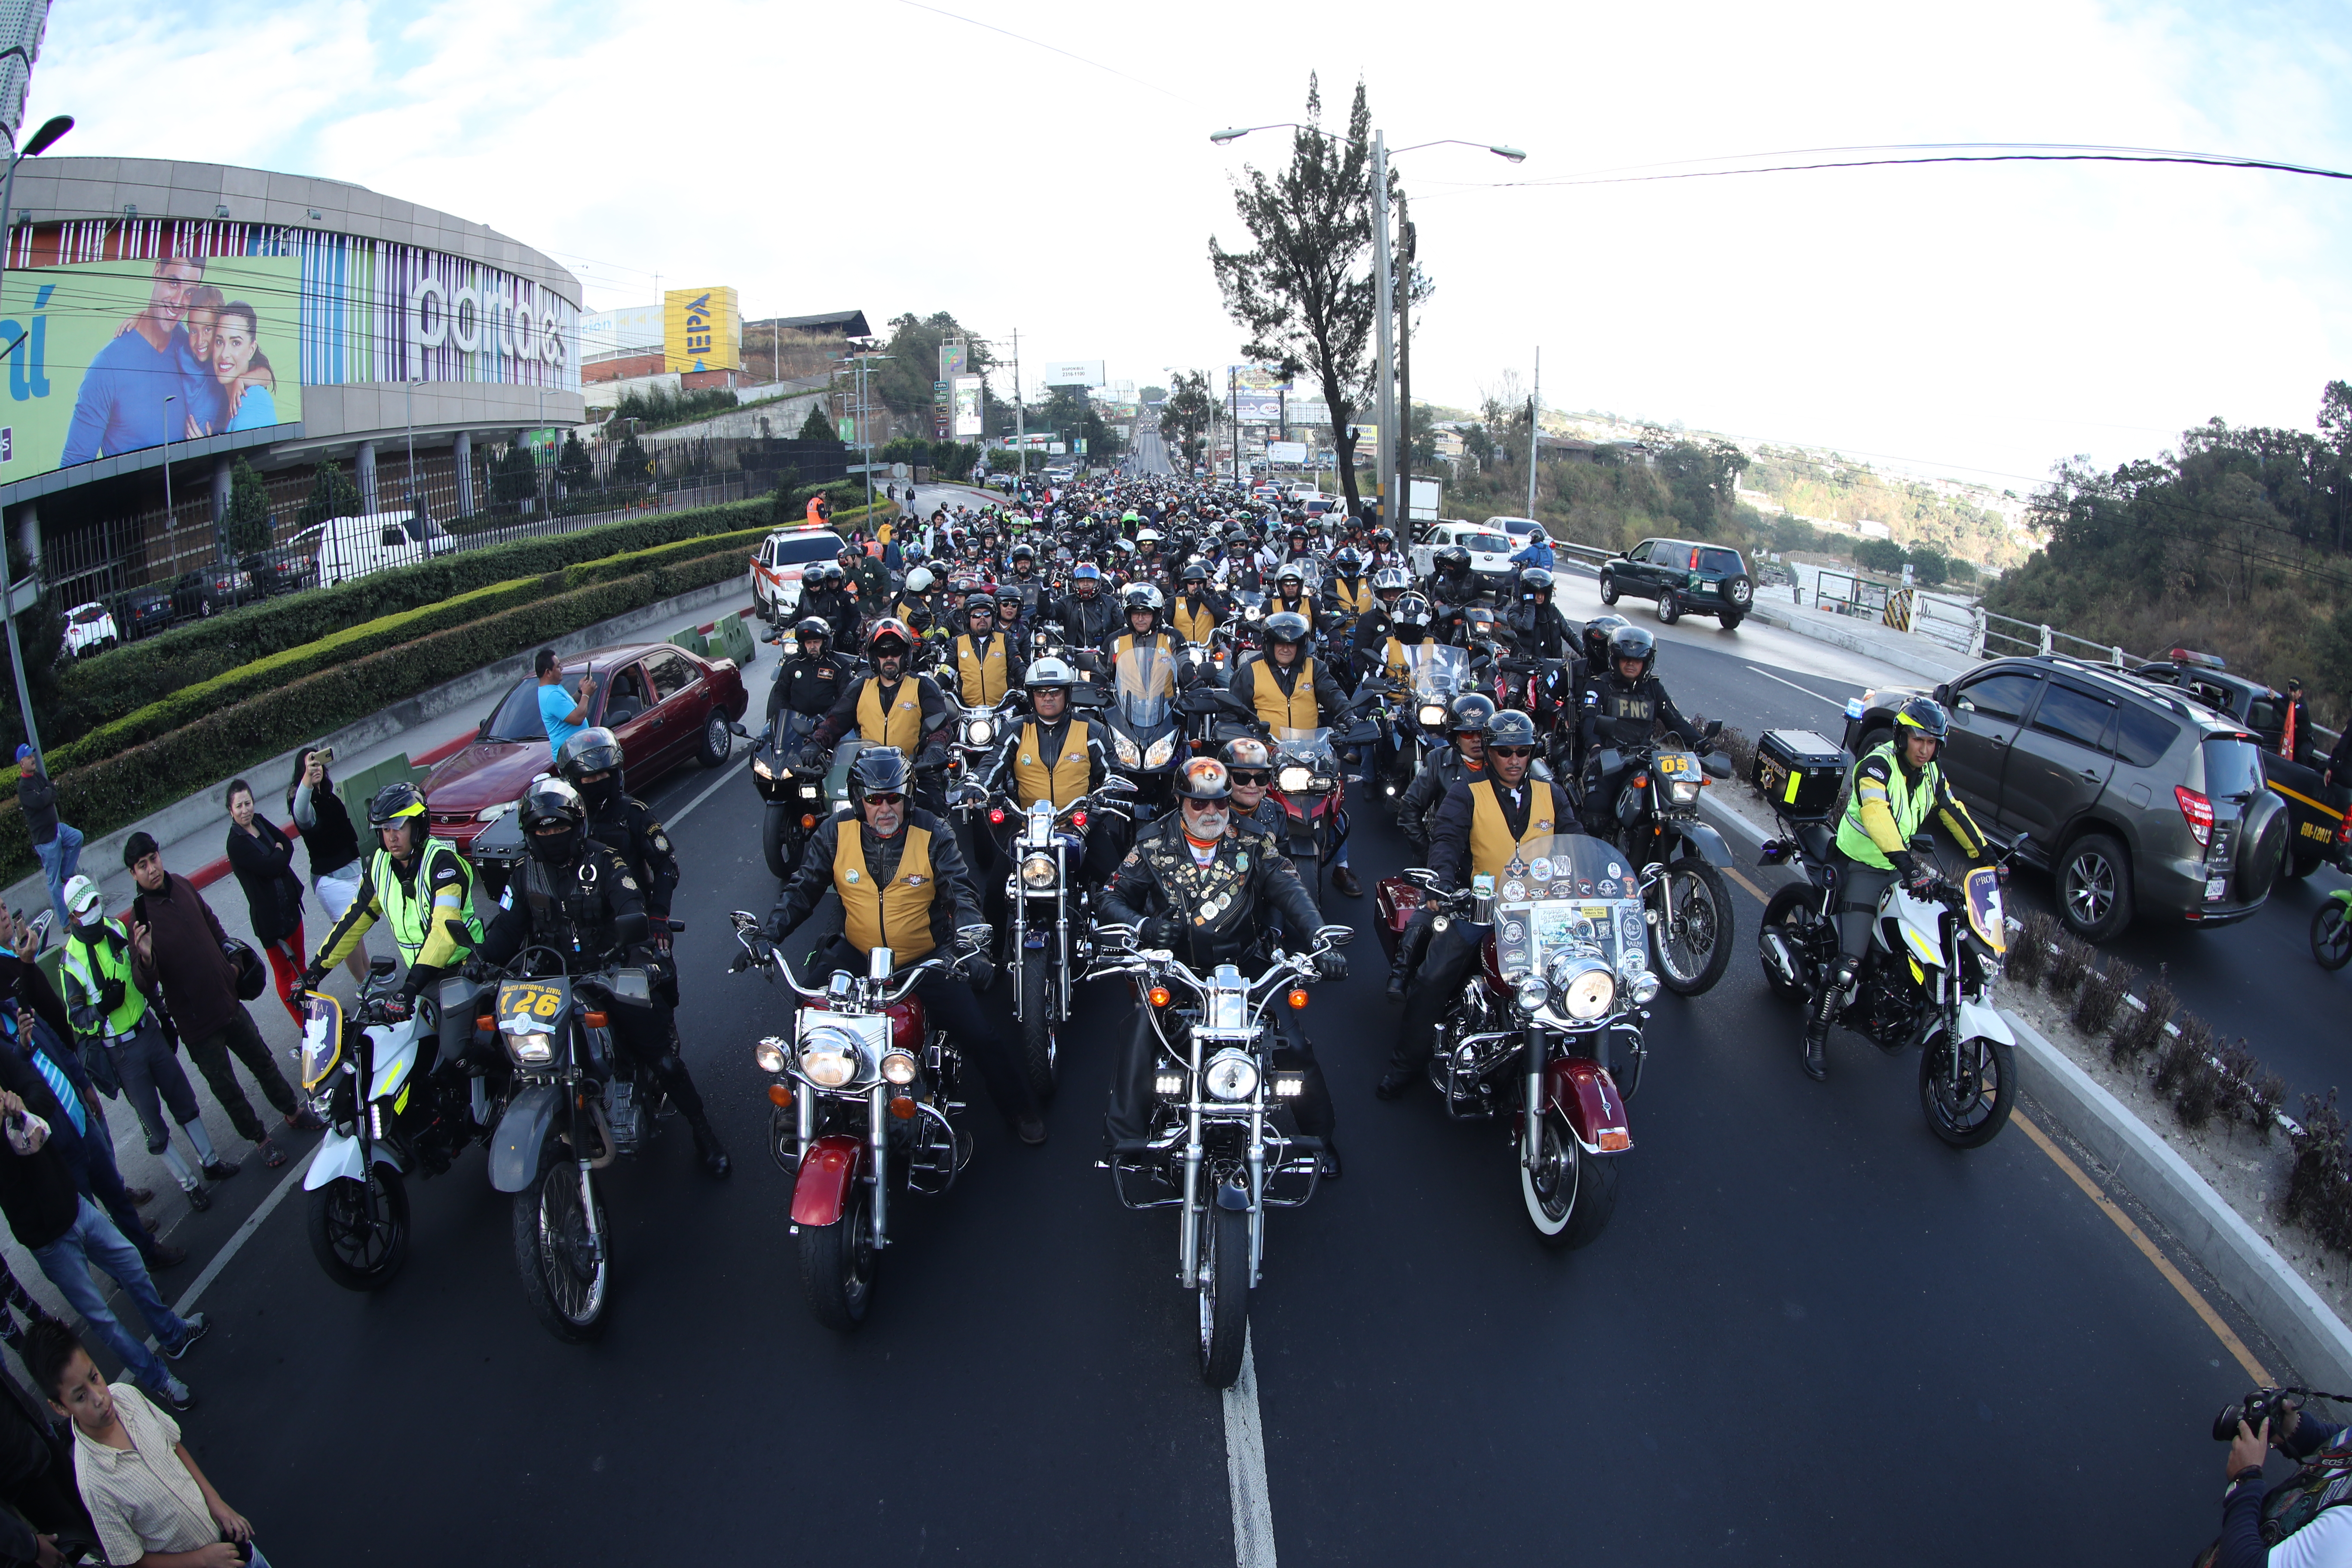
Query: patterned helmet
[[1204, 778]]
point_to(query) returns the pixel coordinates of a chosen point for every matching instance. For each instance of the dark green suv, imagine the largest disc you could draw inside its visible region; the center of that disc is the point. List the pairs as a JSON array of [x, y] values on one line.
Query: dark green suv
[[1685, 578]]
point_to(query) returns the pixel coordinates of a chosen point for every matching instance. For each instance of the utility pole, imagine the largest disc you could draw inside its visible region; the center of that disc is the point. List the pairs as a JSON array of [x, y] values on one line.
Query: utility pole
[[1384, 403], [1020, 416], [1535, 412], [1234, 414], [1405, 362]]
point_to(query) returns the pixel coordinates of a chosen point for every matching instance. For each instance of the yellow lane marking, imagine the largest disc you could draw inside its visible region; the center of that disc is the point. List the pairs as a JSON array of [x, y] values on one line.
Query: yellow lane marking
[[1761, 896], [2188, 1293]]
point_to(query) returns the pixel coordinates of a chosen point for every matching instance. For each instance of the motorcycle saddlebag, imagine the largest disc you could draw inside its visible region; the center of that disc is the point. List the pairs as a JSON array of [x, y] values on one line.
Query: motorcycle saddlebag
[[1798, 771], [1395, 903]]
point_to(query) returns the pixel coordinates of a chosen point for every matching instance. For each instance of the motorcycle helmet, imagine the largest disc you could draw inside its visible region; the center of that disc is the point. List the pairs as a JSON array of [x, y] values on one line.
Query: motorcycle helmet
[[981, 604], [1195, 574], [1143, 596], [1009, 605], [1536, 535], [554, 821], [919, 580], [1085, 580], [1536, 580], [1452, 561], [1294, 575], [815, 626], [1147, 536], [594, 750], [1050, 672], [1348, 563], [1411, 619], [1383, 540], [1597, 633], [889, 635], [393, 802], [1247, 751], [1926, 715], [1511, 728], [1390, 580], [1203, 778], [1471, 713], [1632, 642], [878, 770], [250, 975], [1286, 626], [1022, 552]]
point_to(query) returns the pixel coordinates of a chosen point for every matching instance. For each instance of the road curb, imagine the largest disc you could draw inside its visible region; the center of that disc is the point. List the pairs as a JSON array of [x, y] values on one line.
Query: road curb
[[2249, 1267], [1822, 628]]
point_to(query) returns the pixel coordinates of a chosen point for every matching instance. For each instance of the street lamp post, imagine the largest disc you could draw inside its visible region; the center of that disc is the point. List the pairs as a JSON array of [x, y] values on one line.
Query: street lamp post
[[170, 519], [43, 140], [408, 477], [1383, 268]]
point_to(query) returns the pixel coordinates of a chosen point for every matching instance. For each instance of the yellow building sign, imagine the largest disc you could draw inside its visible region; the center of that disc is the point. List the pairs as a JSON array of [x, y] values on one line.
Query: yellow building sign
[[701, 330]]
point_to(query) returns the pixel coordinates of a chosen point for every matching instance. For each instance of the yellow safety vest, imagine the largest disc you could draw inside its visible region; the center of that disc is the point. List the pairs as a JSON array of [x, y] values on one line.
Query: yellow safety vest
[[1296, 711], [1061, 779], [1128, 642], [1195, 624], [899, 917], [1299, 606], [984, 678], [92, 963], [1354, 597], [902, 726], [410, 914], [1908, 803], [1394, 654], [1491, 844]]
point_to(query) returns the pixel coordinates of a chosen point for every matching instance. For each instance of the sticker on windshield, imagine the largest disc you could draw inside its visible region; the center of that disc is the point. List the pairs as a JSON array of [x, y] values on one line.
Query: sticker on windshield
[[1540, 868], [1615, 869], [1514, 890], [1514, 931]]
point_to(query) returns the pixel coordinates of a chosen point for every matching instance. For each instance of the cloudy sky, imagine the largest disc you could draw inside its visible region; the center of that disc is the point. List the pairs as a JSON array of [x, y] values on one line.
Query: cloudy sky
[[896, 157]]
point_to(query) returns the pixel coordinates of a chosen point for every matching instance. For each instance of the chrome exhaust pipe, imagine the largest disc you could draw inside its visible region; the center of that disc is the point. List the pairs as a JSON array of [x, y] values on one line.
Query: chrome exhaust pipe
[[1774, 946]]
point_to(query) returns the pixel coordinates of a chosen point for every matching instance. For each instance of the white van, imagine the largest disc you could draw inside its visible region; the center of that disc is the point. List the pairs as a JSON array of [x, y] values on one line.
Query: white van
[[349, 547]]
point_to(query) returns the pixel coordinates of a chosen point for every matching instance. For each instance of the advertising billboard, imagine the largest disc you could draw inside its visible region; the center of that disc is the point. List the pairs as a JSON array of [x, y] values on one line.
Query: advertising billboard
[[955, 359], [1255, 393], [1289, 454], [110, 357], [968, 409], [1074, 373], [701, 330]]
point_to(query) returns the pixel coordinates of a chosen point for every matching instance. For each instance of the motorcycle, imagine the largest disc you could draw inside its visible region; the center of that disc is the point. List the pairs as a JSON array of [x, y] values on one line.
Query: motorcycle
[[1436, 673], [864, 1100], [1926, 978], [1047, 942], [1552, 1018], [1312, 789], [2331, 929], [1214, 1149], [573, 1109], [1655, 823], [797, 799], [1142, 717], [358, 1219]]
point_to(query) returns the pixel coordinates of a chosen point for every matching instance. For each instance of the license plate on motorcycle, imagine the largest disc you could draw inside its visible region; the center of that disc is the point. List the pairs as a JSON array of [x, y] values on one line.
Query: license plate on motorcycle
[[525, 1005], [2216, 888]]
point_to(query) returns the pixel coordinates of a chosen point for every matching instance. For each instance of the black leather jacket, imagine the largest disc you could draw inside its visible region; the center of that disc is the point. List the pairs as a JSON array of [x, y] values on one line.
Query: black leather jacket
[[1218, 907]]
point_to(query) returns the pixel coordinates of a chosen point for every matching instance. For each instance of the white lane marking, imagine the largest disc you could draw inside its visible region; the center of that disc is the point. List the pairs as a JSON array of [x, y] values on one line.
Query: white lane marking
[[1246, 1469], [187, 1301], [727, 773], [1794, 687]]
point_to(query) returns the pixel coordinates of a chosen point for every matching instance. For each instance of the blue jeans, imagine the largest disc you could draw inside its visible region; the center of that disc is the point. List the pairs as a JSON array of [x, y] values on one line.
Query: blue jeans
[[60, 857], [67, 1260]]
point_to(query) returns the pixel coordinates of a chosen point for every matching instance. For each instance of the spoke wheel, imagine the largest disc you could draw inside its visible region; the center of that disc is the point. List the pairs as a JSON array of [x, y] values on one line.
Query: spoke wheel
[[837, 1264], [1224, 1293], [359, 1229], [566, 1273], [718, 741], [1695, 945], [1569, 1194], [1968, 1108], [2331, 934]]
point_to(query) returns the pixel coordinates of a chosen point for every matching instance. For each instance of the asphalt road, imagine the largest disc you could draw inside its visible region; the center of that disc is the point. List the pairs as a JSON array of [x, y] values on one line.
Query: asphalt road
[[1810, 1330]]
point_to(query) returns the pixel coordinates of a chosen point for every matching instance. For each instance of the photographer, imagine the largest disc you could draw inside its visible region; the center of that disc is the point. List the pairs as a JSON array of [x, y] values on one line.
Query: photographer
[[2297, 1523]]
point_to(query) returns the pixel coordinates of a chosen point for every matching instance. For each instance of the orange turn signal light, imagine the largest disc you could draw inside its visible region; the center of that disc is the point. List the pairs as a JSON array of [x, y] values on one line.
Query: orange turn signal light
[[1160, 996], [1298, 998], [807, 821], [487, 1025], [780, 1094], [597, 1020], [903, 1107]]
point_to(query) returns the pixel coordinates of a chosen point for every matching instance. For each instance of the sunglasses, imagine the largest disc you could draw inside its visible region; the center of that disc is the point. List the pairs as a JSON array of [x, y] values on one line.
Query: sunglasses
[[883, 799], [1250, 775], [1510, 751], [1205, 806]]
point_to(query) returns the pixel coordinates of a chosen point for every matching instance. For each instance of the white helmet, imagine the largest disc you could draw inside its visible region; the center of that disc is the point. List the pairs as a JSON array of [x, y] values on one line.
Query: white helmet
[[1151, 534], [1050, 671], [81, 896], [919, 580]]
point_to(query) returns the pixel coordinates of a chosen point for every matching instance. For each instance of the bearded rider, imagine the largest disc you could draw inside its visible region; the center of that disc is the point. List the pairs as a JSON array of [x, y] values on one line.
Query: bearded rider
[[892, 708]]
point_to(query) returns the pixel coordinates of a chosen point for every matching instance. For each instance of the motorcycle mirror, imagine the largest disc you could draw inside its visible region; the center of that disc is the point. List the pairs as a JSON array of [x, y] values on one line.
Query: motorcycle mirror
[[1337, 936], [1716, 765], [1118, 783], [1421, 875], [739, 733]]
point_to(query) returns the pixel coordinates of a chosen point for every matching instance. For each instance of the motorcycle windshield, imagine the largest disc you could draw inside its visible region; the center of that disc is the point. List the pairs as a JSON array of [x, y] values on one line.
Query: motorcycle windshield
[[1308, 748], [1566, 894], [1143, 686], [1436, 670]]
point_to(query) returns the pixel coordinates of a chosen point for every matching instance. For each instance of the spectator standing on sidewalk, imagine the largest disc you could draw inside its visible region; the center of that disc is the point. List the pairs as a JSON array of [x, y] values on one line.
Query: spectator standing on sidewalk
[[67, 1235], [114, 1024], [40, 1504], [263, 858], [175, 953], [57, 844], [332, 842], [148, 1499]]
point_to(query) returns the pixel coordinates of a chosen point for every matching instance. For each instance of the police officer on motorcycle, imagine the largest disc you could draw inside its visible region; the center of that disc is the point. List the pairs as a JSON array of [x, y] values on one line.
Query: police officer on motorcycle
[[1623, 706], [1452, 589], [580, 898], [903, 885], [419, 886], [590, 762], [1536, 624], [1481, 826], [1896, 786], [811, 680], [1197, 885]]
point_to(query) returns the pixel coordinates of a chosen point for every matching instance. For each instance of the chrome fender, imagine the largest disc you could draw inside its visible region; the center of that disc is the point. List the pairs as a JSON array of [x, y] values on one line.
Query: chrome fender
[[522, 1134]]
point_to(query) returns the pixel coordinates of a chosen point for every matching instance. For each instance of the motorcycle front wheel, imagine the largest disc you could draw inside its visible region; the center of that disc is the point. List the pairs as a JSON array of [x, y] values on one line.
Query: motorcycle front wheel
[[359, 1229], [2331, 934], [1968, 1108], [772, 840], [1040, 1041], [1224, 1294], [1694, 947], [837, 1264], [1786, 910], [566, 1272], [1569, 1194]]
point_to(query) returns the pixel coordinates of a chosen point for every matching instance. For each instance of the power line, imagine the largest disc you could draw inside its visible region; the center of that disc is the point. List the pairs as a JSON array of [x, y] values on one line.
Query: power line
[[1034, 43]]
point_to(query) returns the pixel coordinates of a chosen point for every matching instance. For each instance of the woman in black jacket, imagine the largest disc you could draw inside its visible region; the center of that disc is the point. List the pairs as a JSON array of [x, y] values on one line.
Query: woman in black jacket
[[263, 858], [327, 832]]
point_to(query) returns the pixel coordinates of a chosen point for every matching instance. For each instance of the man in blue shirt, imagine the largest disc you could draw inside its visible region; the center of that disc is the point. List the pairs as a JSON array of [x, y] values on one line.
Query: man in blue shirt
[[122, 404], [557, 711], [1537, 552]]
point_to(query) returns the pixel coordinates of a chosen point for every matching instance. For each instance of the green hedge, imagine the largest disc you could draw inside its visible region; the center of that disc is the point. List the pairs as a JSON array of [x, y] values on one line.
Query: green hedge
[[105, 795], [96, 691]]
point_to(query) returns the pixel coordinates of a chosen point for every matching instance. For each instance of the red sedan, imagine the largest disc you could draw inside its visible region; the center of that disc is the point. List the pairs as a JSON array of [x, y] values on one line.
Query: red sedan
[[666, 705]]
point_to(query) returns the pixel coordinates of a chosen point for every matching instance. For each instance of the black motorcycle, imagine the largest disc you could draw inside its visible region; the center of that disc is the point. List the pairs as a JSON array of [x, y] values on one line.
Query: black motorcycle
[[1654, 818]]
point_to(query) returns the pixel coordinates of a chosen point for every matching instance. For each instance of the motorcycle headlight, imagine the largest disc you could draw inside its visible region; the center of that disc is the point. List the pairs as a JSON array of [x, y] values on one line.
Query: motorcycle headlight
[[1293, 780], [979, 731], [1161, 749], [529, 1050], [1126, 749], [759, 766], [898, 1067], [1433, 715], [829, 1058], [1232, 1074], [1037, 871], [770, 1054], [1588, 992], [1644, 987], [1682, 791], [1532, 993]]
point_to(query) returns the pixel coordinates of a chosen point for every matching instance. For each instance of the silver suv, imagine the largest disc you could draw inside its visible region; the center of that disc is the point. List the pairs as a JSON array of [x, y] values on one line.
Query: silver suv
[[2138, 799]]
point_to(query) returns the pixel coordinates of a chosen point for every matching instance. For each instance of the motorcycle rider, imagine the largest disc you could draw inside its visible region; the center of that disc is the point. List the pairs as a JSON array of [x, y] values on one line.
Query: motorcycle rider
[[1479, 829], [1249, 763], [1087, 617], [1452, 589], [903, 885], [1290, 691], [1024, 580], [1056, 755], [1623, 705], [1199, 610], [824, 592], [1196, 885], [890, 708], [1536, 554], [1348, 592], [1374, 628], [1536, 624], [590, 762], [1143, 625], [869, 582], [1463, 758], [810, 682], [915, 599], [580, 898], [1290, 596], [420, 886], [1896, 784], [987, 665]]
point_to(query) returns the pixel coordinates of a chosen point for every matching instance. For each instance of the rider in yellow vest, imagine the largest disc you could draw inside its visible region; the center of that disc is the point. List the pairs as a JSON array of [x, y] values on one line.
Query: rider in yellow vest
[[1199, 610], [1482, 822], [1290, 596], [1290, 692], [1143, 629], [903, 885], [891, 707], [1896, 786], [1348, 592], [419, 886], [1057, 757], [986, 664]]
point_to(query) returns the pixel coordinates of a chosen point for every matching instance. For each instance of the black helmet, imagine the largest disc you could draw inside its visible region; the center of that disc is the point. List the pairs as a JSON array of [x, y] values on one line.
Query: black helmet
[[595, 749], [1632, 642], [250, 975], [1473, 710], [1926, 715], [1536, 580], [1011, 602], [1348, 563], [1024, 553], [393, 802], [1383, 539], [1203, 778], [1597, 632], [551, 803], [1511, 728], [1196, 572], [981, 603], [1286, 626], [878, 769], [1452, 560], [815, 626]]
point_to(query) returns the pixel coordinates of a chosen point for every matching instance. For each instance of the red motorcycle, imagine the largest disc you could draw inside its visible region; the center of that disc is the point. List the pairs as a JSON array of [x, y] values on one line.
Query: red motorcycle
[[864, 1105], [1550, 1018]]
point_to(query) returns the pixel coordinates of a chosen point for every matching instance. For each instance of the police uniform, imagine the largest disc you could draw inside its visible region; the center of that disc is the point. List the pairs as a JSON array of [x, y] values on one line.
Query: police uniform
[[108, 1009], [1889, 803], [1620, 714], [810, 686], [626, 826]]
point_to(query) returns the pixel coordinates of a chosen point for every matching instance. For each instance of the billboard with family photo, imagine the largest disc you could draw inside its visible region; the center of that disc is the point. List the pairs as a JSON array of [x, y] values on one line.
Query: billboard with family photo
[[108, 357]]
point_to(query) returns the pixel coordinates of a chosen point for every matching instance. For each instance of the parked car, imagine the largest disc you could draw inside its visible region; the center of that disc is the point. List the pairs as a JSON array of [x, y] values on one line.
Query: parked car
[[2317, 832], [349, 547], [149, 610], [89, 628], [223, 585], [777, 564], [282, 570], [1490, 549], [1683, 576], [666, 706], [2138, 800]]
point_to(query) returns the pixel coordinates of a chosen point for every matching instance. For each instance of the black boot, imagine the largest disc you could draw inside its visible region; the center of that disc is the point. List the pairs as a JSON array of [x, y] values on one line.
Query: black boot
[[706, 1147], [1819, 1017]]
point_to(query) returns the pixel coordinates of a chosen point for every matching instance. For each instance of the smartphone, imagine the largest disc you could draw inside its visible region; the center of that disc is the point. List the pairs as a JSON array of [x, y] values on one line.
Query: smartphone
[[325, 756]]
